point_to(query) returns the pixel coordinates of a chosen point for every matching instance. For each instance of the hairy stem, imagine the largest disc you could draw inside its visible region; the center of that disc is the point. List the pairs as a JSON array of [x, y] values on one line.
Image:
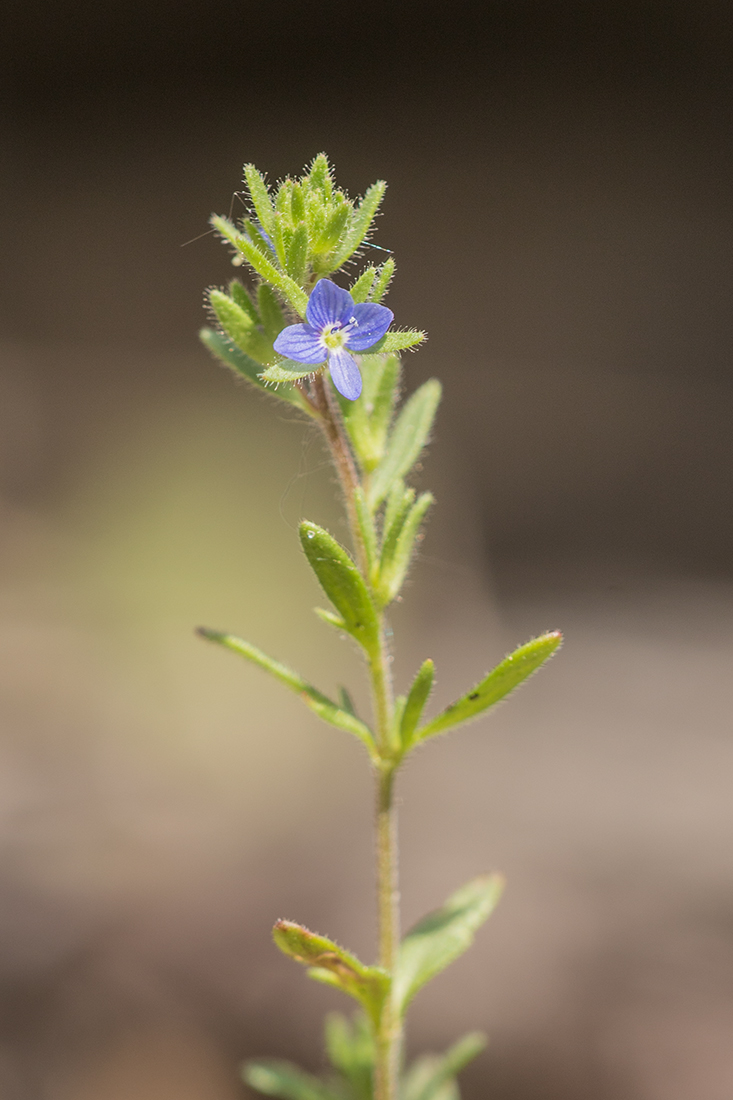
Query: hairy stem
[[389, 1039], [343, 461], [389, 1035]]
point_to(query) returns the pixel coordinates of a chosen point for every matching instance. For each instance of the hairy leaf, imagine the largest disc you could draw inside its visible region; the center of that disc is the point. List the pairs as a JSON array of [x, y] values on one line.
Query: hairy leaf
[[260, 197], [331, 964], [360, 223], [287, 370], [393, 568], [363, 285], [262, 265], [507, 676], [350, 1049], [429, 1075], [319, 703], [342, 582], [443, 936], [398, 341], [416, 700], [285, 1080], [381, 283], [409, 436], [240, 328], [241, 364]]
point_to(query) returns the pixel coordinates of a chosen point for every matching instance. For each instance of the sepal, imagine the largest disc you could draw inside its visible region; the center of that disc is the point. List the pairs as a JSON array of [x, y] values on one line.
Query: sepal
[[287, 370], [398, 341], [513, 671], [332, 965], [382, 281], [361, 289]]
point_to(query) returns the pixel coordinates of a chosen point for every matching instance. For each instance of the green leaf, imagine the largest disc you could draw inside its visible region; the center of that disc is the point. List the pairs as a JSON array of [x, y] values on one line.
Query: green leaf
[[260, 197], [281, 237], [384, 278], [398, 341], [345, 701], [429, 1075], [252, 230], [297, 204], [319, 178], [241, 364], [360, 289], [398, 501], [285, 1080], [335, 225], [241, 296], [331, 618], [239, 327], [361, 223], [271, 312], [393, 570], [443, 936], [398, 506], [287, 370], [367, 419], [332, 965], [418, 696], [297, 253], [262, 264], [342, 582], [513, 670], [409, 436], [350, 1050], [315, 700], [366, 528]]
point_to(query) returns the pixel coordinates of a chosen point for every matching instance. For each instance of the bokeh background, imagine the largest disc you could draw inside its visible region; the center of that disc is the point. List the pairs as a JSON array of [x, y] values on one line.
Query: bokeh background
[[560, 209]]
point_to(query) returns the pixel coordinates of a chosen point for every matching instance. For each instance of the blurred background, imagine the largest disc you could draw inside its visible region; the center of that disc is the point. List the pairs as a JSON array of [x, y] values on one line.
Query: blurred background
[[560, 210]]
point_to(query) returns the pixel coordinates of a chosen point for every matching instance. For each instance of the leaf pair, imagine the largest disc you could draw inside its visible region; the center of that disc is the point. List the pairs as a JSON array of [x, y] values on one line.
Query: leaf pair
[[427, 949], [495, 686], [350, 1050]]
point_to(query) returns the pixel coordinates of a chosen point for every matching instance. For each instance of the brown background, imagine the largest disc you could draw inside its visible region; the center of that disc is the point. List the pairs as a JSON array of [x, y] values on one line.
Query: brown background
[[560, 209]]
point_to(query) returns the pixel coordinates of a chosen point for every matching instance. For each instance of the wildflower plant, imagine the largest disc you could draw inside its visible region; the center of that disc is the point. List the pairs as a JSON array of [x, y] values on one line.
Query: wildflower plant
[[330, 350]]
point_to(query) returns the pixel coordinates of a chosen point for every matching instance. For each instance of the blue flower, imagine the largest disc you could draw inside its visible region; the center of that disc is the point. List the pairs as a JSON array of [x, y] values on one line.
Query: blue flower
[[335, 327]]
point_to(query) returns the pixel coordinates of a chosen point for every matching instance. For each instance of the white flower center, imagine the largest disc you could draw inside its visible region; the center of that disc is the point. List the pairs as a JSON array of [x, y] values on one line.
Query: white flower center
[[334, 336]]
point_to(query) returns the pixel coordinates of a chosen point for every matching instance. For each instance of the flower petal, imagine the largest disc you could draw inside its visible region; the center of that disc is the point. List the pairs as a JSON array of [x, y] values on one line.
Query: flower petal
[[328, 304], [370, 322], [345, 373], [302, 343]]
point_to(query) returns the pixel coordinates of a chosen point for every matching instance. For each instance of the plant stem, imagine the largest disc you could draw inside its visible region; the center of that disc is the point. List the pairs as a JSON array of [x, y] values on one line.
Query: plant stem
[[344, 463], [388, 1039]]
